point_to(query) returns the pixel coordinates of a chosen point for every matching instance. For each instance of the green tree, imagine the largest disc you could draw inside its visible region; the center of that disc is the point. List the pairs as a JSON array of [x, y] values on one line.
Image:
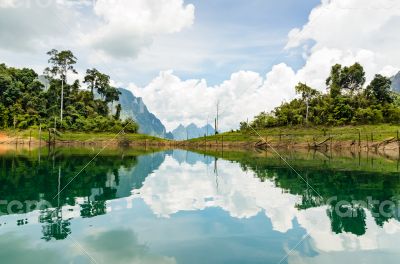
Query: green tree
[[130, 126], [92, 79], [379, 89], [25, 103], [352, 78], [347, 102], [97, 81], [307, 93], [334, 81], [118, 111], [111, 94], [61, 63], [104, 85]]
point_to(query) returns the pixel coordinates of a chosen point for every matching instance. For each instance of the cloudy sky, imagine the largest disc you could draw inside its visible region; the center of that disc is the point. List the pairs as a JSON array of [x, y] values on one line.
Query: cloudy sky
[[182, 56]]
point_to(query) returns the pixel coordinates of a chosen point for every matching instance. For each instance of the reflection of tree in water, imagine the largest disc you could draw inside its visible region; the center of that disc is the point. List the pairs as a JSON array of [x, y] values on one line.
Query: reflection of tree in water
[[309, 200], [347, 218], [26, 178], [54, 226], [95, 204], [93, 208], [345, 185], [23, 178], [390, 210]]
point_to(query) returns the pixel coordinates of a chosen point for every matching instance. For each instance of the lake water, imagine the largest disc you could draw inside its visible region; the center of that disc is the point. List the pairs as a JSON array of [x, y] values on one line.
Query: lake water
[[176, 206]]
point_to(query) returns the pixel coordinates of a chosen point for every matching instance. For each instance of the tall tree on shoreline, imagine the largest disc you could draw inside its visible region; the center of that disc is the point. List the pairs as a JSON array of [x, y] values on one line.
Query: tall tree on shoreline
[[111, 96], [307, 93], [61, 63], [333, 82], [92, 79]]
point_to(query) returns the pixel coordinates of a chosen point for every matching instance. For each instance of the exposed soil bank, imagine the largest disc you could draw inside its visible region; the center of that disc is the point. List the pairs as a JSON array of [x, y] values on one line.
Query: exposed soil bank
[[101, 141], [387, 147], [390, 144]]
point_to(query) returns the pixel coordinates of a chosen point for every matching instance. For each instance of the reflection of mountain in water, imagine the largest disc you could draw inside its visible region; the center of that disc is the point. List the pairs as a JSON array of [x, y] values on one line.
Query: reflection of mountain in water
[[183, 156], [133, 178]]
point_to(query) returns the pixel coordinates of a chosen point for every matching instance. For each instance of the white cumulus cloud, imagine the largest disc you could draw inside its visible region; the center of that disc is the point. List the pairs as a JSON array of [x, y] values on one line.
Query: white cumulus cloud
[[102, 28], [354, 28], [31, 25], [127, 26], [177, 101]]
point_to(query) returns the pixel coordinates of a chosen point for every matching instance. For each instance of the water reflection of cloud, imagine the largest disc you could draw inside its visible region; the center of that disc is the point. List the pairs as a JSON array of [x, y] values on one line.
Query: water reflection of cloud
[[178, 187], [13, 244], [121, 246], [319, 228]]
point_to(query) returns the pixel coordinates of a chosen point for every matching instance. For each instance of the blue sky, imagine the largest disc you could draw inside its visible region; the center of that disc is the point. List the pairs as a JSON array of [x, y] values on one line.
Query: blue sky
[[259, 27], [249, 35]]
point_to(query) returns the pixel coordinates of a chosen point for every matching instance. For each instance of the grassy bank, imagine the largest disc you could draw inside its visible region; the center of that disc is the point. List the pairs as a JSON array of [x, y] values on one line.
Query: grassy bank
[[81, 137], [346, 136], [304, 135]]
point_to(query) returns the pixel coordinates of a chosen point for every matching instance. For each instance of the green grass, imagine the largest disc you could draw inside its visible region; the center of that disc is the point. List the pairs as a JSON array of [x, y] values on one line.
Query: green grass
[[83, 150], [83, 136], [79, 136], [284, 134], [304, 134]]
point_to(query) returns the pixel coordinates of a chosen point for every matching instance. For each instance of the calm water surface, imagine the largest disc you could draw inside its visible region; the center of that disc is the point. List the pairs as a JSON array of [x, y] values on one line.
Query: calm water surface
[[143, 206]]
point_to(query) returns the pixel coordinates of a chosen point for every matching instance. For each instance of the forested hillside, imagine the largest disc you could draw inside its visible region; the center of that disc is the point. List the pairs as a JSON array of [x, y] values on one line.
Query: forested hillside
[[347, 101], [25, 102]]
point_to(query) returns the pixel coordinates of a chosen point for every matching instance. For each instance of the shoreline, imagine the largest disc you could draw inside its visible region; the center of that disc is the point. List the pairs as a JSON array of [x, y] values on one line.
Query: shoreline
[[392, 149], [379, 139]]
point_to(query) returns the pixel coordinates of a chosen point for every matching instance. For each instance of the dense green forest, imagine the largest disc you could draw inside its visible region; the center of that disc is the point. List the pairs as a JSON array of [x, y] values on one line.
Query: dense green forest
[[346, 102], [26, 103]]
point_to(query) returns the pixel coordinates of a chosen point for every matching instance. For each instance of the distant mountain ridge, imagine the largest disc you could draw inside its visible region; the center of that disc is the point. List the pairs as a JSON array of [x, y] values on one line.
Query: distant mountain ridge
[[396, 82], [134, 107], [191, 131]]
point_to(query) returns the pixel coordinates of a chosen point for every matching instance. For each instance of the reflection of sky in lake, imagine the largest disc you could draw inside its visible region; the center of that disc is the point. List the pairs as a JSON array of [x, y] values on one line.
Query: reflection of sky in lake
[[189, 208]]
